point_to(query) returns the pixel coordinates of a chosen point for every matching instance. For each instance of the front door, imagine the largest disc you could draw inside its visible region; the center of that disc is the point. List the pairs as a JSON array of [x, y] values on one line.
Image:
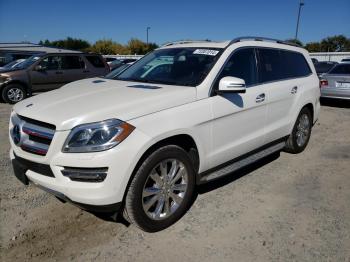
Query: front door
[[238, 119]]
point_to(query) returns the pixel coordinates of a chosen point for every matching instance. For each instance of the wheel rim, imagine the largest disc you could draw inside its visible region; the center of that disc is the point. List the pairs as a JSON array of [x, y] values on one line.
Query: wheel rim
[[165, 189], [15, 94], [303, 130]]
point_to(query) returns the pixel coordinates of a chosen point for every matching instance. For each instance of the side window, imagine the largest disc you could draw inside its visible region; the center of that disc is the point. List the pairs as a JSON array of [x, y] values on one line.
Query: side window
[[51, 63], [270, 65], [295, 64], [72, 62], [241, 64], [342, 69], [95, 60]]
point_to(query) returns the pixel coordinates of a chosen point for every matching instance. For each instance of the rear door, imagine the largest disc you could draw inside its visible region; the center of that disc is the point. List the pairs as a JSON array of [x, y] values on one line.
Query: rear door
[[96, 66], [238, 119], [282, 73], [73, 68]]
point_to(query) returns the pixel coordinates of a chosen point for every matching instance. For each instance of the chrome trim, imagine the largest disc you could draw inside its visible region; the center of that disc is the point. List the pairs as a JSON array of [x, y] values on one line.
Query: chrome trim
[[28, 130]]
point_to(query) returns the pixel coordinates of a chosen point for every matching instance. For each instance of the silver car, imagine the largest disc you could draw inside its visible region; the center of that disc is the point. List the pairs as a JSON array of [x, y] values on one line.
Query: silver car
[[336, 83]]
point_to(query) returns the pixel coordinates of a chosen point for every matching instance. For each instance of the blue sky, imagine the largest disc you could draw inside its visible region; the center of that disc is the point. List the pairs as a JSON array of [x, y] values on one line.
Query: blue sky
[[30, 20]]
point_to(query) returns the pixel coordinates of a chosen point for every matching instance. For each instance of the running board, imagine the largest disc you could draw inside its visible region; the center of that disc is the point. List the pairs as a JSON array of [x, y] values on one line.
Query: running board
[[227, 169]]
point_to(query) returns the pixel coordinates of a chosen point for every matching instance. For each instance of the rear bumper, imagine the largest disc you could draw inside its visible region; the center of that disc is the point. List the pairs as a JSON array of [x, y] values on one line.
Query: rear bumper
[[331, 92]]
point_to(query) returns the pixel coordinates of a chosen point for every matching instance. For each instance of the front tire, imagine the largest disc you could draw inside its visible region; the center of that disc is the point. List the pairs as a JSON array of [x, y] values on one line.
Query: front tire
[[13, 93], [162, 189], [300, 136]]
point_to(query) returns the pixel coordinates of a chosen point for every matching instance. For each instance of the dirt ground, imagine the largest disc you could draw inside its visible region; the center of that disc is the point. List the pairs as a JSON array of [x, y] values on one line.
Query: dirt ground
[[286, 208]]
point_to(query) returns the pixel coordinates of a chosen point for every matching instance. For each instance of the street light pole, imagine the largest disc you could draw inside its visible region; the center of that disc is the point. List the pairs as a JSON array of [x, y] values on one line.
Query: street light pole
[[301, 3], [147, 29]]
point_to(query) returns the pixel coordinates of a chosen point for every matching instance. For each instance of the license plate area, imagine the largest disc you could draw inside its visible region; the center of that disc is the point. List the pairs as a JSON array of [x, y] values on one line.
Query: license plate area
[[345, 85]]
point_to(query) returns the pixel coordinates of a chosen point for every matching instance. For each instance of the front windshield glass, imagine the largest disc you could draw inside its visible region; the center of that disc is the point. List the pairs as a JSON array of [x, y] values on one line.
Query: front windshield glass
[[173, 66], [28, 62]]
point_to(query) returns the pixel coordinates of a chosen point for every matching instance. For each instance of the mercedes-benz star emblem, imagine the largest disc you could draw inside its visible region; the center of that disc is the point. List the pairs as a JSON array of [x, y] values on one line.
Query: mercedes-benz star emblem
[[16, 132]]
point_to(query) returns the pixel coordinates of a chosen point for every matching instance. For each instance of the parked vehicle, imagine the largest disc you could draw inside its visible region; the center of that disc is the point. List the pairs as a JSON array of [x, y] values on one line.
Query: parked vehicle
[[336, 83], [324, 67], [139, 144], [46, 72], [314, 60], [12, 64]]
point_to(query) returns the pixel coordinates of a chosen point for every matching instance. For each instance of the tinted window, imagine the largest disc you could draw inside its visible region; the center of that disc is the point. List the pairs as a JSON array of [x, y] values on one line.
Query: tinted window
[[294, 64], [270, 65], [281, 64], [242, 64], [51, 63], [72, 62], [343, 69], [95, 60]]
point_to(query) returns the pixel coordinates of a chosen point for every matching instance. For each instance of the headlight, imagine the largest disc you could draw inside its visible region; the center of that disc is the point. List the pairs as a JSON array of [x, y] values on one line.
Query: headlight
[[97, 136]]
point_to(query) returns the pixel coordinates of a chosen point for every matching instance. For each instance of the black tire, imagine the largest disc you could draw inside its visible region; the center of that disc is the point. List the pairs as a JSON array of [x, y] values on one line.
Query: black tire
[[294, 146], [13, 93], [134, 202]]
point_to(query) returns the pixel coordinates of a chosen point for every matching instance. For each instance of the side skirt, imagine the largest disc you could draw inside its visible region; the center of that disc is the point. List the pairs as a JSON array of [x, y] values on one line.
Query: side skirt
[[242, 161]]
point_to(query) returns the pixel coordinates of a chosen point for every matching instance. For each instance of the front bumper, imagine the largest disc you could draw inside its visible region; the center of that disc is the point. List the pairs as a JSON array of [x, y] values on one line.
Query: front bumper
[[107, 194]]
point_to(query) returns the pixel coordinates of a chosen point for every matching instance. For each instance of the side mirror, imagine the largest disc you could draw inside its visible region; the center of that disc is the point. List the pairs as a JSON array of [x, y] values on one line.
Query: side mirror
[[230, 84], [39, 68]]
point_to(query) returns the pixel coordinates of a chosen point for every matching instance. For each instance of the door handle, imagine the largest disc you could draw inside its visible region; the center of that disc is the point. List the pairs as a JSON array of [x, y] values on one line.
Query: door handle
[[59, 73], [260, 98], [294, 90]]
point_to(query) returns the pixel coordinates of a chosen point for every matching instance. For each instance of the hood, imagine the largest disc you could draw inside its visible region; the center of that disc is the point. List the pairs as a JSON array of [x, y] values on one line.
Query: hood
[[97, 99]]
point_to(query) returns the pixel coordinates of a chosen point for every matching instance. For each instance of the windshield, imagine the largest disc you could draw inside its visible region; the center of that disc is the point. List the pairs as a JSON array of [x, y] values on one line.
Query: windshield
[[27, 63], [173, 66], [323, 67]]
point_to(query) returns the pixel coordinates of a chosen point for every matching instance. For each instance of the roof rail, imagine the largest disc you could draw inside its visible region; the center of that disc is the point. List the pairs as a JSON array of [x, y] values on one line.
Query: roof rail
[[258, 38], [186, 42]]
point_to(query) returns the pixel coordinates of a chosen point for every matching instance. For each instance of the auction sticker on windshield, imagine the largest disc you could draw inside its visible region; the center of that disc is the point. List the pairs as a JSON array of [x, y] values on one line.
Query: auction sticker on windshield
[[205, 52]]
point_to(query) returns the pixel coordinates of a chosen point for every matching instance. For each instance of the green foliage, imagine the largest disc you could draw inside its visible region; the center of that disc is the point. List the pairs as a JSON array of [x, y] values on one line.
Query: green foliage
[[337, 43], [104, 46], [68, 43]]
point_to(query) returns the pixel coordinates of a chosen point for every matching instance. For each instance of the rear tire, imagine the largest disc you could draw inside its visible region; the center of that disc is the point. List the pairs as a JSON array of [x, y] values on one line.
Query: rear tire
[[13, 93], [300, 136], [162, 189]]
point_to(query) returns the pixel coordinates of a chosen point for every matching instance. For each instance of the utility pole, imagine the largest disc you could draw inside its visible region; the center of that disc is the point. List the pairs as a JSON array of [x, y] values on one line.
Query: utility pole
[[301, 3], [147, 29]]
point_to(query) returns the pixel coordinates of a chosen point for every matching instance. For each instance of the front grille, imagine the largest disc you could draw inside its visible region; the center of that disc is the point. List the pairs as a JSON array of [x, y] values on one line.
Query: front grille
[[32, 135]]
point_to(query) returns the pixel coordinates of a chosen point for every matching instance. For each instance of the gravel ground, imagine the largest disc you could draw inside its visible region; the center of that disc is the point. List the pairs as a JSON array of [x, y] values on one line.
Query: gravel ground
[[286, 208]]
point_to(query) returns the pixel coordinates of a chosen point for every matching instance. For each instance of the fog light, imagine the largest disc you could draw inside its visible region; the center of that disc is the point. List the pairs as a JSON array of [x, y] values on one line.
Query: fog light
[[85, 174]]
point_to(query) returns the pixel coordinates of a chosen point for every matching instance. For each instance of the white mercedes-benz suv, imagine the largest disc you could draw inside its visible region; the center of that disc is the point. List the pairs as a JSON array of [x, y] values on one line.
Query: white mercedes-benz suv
[[185, 114]]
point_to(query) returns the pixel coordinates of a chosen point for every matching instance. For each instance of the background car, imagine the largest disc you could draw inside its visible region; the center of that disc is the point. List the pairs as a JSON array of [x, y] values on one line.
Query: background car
[[12, 64], [119, 62], [46, 72], [324, 67], [336, 83], [347, 60], [117, 71]]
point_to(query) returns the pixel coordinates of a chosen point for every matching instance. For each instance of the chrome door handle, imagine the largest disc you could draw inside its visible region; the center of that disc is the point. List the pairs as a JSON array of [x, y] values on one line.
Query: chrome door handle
[[260, 98], [294, 90]]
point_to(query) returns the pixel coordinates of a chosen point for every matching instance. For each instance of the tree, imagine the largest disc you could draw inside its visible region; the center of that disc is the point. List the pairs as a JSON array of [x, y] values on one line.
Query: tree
[[108, 47], [313, 47], [136, 46], [68, 43], [337, 43]]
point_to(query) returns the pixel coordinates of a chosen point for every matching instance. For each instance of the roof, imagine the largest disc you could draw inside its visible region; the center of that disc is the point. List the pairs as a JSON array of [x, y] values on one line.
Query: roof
[[30, 47], [224, 44]]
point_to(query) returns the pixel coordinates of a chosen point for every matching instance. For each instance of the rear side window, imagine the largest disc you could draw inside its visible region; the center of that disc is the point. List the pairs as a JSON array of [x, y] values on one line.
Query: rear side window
[[270, 65], [294, 64], [96, 61], [275, 64], [72, 62], [342, 69], [241, 64]]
